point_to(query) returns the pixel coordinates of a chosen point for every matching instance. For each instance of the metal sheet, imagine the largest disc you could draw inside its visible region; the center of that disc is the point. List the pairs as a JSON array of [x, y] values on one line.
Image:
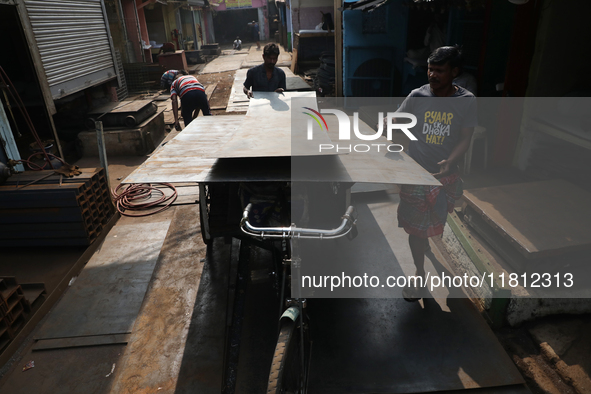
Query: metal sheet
[[107, 296], [73, 42], [158, 345], [296, 83], [238, 102], [9, 143], [121, 107], [384, 170], [389, 345], [184, 158], [63, 343], [188, 158], [79, 370], [530, 217], [382, 345], [266, 131]]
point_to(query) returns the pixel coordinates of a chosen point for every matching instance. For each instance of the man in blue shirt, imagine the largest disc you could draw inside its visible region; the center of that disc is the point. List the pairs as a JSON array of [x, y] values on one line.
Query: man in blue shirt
[[255, 34], [265, 77]]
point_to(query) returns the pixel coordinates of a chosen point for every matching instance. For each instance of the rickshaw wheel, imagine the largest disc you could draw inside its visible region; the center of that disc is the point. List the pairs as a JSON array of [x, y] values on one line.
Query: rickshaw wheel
[[286, 372], [204, 214], [204, 235]]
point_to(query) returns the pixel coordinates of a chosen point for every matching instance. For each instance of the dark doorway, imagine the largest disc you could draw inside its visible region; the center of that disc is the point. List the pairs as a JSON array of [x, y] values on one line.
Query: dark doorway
[[232, 23], [16, 61], [155, 23]]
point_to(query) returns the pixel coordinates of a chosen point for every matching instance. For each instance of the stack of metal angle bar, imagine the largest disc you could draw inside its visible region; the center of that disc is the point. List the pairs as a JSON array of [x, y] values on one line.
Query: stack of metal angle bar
[[39, 208], [14, 308]]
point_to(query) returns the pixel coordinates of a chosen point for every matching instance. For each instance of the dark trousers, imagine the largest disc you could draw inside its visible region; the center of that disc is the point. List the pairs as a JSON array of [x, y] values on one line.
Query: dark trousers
[[192, 101]]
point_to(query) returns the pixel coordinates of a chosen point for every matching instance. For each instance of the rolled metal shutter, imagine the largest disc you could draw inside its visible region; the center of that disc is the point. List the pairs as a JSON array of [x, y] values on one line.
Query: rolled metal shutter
[[74, 43]]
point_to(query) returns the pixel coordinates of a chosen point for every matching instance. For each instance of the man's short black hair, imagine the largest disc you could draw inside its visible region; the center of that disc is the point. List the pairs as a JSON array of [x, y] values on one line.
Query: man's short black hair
[[271, 49], [450, 54], [179, 74]]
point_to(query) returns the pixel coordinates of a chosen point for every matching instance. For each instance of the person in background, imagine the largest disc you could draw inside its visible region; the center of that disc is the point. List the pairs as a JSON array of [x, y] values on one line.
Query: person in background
[[167, 78], [237, 44], [193, 98], [255, 34], [167, 47], [265, 77]]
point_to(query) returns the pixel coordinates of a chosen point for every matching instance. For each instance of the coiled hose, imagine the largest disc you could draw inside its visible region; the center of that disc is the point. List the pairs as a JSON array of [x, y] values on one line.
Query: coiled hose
[[137, 197]]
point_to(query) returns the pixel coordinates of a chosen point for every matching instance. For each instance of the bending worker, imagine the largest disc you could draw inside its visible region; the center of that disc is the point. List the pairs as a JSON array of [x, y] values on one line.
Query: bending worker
[[265, 77], [167, 78], [192, 95]]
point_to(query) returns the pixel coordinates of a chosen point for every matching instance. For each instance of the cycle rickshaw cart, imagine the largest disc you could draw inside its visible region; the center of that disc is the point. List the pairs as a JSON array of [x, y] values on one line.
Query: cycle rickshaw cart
[[239, 162]]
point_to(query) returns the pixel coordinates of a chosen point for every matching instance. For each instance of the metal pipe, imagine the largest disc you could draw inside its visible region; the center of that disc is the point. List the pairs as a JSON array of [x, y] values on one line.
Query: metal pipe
[[102, 150], [293, 231]]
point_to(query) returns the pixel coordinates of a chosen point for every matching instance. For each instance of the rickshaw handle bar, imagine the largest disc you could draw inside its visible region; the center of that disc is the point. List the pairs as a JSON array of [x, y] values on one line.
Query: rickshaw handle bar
[[298, 232]]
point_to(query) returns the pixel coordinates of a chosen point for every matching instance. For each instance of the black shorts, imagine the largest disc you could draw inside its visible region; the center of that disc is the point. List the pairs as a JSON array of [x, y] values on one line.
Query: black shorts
[[194, 100]]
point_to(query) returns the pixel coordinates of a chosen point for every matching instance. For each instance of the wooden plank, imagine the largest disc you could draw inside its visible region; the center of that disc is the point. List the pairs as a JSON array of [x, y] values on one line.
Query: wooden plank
[[294, 60], [209, 89], [64, 343]]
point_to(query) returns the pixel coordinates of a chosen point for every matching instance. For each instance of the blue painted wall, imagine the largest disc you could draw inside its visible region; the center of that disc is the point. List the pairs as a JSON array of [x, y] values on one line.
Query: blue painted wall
[[359, 47]]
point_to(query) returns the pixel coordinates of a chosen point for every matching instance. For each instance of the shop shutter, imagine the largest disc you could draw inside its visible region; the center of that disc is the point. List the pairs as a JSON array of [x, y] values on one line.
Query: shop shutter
[[74, 43]]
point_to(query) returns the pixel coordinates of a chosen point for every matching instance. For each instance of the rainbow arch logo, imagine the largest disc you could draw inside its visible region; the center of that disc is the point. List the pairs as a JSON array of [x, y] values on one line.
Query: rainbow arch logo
[[316, 118]]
